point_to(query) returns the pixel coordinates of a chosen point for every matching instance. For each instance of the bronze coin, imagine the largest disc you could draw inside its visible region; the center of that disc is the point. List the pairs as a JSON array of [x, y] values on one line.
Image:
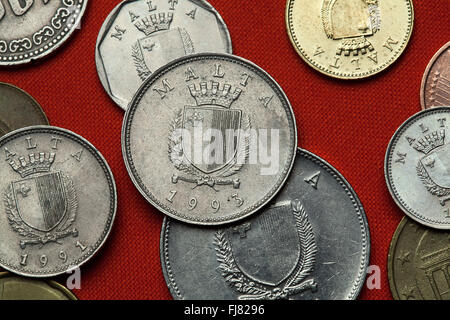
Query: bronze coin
[[18, 109], [17, 288], [435, 90], [419, 263]]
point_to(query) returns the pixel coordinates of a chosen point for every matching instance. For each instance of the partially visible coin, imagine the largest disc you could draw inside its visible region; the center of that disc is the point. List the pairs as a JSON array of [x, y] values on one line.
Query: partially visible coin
[[417, 167], [140, 36], [312, 242], [59, 201], [435, 90], [18, 109], [419, 263], [209, 139], [32, 29], [18, 288], [350, 39]]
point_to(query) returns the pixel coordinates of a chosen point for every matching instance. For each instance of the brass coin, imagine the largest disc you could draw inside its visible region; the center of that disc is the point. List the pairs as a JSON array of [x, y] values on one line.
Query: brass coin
[[419, 263], [350, 39], [16, 288], [18, 109], [435, 90]]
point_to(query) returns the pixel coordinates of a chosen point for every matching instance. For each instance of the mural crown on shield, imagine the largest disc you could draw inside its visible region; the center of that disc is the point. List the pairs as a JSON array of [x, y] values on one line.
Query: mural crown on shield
[[215, 94], [430, 142], [38, 163], [154, 23]]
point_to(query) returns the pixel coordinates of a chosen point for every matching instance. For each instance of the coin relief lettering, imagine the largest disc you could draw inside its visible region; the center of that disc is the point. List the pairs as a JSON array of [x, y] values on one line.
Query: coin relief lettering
[[31, 144], [192, 13], [118, 33], [166, 88], [313, 180]]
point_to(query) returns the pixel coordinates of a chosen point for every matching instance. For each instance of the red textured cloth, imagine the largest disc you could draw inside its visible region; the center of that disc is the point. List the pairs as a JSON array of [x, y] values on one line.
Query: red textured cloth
[[348, 123]]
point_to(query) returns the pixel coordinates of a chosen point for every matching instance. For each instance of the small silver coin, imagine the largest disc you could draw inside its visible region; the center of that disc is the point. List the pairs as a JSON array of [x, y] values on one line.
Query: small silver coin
[[209, 139], [59, 201], [417, 168], [311, 243], [32, 29], [140, 36]]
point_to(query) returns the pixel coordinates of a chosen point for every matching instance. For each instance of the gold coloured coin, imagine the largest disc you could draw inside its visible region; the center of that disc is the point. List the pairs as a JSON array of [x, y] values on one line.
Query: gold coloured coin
[[419, 263], [16, 288], [350, 39]]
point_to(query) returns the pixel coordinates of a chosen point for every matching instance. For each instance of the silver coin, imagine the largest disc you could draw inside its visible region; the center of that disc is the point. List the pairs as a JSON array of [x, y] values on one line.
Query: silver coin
[[140, 36], [312, 242], [32, 29], [59, 201], [187, 106], [417, 168]]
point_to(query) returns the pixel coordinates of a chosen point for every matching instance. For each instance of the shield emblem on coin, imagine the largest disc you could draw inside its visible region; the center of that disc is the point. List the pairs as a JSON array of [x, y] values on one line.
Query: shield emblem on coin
[[268, 249], [224, 122], [162, 47], [41, 201], [437, 165]]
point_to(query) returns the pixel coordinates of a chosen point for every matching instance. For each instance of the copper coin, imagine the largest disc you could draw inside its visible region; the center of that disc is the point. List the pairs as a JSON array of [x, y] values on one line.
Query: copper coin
[[435, 90], [419, 263], [18, 109]]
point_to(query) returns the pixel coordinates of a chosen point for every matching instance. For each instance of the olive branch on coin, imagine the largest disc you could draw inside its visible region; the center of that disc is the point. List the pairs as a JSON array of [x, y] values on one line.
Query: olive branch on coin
[[36, 236], [295, 284]]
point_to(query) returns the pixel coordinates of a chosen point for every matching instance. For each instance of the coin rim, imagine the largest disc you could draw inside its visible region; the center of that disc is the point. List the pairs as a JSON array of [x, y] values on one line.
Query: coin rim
[[298, 48], [53, 284], [107, 24], [423, 220], [365, 231], [51, 49], [111, 184], [128, 118], [426, 73], [33, 101], [391, 256]]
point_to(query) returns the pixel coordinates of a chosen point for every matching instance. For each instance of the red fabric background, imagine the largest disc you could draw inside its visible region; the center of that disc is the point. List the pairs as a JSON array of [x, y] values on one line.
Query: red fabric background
[[348, 123]]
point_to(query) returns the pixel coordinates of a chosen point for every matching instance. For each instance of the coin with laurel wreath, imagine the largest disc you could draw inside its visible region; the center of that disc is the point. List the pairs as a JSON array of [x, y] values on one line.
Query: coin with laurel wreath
[[59, 201], [417, 167], [140, 36], [32, 29], [311, 242], [209, 139]]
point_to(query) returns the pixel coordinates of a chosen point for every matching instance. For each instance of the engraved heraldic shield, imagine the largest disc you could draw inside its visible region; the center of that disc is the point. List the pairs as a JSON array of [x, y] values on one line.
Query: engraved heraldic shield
[[41, 201], [162, 47], [225, 122], [272, 256], [268, 250], [437, 166]]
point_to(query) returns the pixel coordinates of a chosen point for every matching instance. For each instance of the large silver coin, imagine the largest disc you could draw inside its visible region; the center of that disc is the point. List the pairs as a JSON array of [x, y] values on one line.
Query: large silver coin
[[209, 139], [140, 36], [417, 168], [31, 29], [59, 201], [312, 242]]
